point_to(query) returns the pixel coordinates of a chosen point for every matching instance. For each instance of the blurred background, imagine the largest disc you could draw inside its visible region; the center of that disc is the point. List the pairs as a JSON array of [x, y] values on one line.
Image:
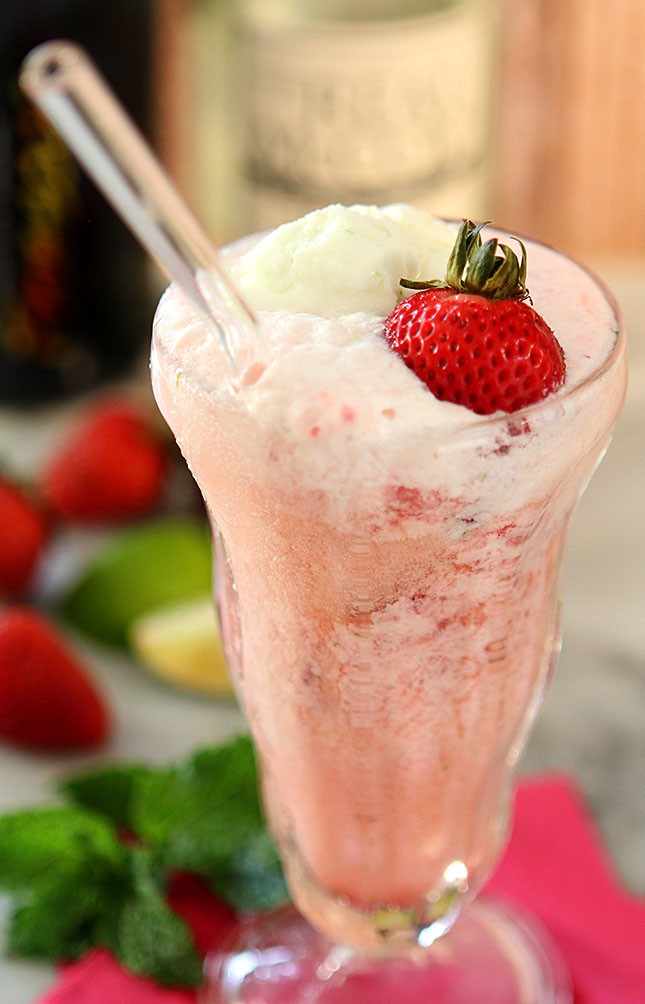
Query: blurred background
[[531, 114]]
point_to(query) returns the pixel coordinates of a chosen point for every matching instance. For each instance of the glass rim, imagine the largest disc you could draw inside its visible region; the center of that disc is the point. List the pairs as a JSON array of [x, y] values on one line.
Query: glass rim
[[476, 426], [553, 401]]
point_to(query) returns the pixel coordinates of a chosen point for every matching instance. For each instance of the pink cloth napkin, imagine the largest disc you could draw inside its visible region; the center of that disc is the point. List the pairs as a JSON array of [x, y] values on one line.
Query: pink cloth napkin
[[558, 868], [555, 866]]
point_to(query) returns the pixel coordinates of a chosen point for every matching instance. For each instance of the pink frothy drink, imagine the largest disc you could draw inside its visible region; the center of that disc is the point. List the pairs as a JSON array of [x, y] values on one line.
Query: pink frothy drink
[[388, 564]]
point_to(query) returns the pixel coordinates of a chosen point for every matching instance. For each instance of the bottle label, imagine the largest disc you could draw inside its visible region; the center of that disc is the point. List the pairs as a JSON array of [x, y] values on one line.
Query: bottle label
[[370, 110]]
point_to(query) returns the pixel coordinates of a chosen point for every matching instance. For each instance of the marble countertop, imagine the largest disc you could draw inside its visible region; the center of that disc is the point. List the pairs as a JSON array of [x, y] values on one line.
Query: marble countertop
[[592, 724], [593, 720]]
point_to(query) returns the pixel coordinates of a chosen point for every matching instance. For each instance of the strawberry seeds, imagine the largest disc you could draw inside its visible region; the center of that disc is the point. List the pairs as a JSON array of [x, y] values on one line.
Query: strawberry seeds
[[471, 338]]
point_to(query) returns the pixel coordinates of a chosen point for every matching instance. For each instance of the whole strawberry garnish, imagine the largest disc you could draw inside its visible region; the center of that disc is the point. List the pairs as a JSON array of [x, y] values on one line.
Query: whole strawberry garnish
[[23, 534], [47, 700], [111, 468], [471, 338]]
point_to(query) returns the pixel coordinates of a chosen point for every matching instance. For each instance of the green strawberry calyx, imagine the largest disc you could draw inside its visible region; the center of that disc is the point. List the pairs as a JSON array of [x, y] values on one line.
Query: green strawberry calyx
[[488, 269]]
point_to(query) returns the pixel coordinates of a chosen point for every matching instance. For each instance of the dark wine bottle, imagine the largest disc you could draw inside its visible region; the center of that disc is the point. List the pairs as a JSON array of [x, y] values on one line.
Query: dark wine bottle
[[74, 299]]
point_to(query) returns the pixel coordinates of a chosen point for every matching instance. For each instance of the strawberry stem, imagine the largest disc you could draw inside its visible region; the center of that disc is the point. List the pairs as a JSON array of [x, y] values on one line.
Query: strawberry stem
[[488, 269]]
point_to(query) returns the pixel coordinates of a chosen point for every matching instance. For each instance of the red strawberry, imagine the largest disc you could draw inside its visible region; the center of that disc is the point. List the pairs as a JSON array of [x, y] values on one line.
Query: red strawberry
[[111, 468], [47, 701], [23, 533], [472, 339]]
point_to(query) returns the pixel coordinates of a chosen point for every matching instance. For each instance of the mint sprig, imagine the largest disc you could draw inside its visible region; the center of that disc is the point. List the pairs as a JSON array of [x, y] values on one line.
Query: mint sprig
[[108, 791], [145, 934], [76, 883], [200, 812], [202, 815], [42, 843]]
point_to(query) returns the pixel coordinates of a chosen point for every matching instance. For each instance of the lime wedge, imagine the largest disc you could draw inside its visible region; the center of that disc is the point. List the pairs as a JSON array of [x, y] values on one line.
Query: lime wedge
[[162, 563], [181, 644]]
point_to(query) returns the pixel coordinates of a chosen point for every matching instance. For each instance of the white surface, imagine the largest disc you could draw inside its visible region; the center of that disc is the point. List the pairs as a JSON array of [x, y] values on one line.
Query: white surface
[[593, 721]]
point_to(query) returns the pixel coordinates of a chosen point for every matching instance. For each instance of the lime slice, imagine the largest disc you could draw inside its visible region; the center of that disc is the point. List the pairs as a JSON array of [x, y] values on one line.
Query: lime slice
[[181, 644], [162, 563]]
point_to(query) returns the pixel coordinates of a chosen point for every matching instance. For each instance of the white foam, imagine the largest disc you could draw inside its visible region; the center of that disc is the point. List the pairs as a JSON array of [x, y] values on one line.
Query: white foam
[[342, 410]]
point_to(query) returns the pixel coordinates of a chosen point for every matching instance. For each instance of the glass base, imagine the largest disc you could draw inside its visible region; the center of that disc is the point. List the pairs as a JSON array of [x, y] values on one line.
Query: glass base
[[492, 954]]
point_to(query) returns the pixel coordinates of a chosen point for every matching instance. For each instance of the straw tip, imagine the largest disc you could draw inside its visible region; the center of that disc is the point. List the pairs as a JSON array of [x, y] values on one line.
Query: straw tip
[[46, 66]]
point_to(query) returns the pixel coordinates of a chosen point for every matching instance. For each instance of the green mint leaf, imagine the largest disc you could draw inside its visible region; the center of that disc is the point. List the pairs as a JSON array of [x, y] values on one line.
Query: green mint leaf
[[202, 815], [252, 878], [145, 935], [201, 811], [123, 910], [69, 873], [46, 842], [205, 816], [56, 922], [75, 885], [108, 792]]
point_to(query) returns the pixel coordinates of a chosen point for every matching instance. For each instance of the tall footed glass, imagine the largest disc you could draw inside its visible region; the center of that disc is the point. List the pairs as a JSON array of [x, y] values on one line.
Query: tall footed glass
[[390, 613]]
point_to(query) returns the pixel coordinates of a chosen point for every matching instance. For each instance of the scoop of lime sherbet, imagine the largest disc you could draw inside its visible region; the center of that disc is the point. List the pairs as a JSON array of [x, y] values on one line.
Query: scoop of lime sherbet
[[343, 260]]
